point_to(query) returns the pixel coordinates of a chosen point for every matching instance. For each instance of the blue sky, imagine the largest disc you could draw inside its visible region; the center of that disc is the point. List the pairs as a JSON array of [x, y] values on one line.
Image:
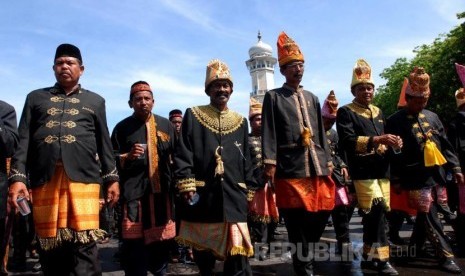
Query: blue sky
[[169, 42]]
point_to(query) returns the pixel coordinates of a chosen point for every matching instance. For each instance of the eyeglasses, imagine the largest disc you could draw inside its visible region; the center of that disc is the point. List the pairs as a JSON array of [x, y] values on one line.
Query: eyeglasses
[[296, 65]]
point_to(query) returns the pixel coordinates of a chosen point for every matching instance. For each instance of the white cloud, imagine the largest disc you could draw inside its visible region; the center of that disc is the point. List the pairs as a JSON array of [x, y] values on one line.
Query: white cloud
[[448, 10], [199, 15]]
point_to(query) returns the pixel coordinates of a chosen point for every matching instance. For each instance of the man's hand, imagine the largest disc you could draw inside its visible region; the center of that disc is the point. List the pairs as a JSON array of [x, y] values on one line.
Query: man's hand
[[137, 150], [187, 196], [16, 190], [113, 193], [345, 174], [269, 173], [388, 140], [459, 178]]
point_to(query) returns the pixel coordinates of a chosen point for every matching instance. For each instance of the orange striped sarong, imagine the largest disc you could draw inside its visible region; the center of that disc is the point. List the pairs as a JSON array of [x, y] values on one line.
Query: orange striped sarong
[[66, 211]]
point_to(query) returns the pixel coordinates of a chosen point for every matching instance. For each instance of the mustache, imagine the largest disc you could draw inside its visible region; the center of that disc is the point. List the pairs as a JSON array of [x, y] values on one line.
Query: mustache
[[219, 94]]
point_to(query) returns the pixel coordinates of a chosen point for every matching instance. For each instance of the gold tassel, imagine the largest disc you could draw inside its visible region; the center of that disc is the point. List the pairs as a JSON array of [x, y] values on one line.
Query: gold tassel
[[219, 170], [306, 137], [432, 154]]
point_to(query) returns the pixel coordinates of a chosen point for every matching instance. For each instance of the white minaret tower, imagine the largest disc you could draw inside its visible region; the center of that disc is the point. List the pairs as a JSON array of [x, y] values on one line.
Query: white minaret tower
[[261, 67]]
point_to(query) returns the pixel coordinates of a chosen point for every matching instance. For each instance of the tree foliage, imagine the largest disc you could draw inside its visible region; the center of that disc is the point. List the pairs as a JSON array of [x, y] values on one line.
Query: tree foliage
[[438, 59]]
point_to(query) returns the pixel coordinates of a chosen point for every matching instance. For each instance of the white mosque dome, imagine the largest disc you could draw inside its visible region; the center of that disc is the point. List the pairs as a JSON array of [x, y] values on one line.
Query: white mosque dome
[[260, 49]]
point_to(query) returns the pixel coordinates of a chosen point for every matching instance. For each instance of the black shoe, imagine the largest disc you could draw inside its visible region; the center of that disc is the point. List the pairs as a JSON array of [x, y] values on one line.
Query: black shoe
[[385, 268], [343, 248], [3, 270], [368, 264], [397, 240], [37, 267], [451, 267]]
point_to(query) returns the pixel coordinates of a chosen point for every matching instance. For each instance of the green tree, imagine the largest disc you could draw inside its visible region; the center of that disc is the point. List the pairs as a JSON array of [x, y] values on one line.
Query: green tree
[[438, 59]]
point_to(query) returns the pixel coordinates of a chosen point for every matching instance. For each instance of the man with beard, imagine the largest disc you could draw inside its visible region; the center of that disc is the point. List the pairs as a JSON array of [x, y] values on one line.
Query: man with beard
[[144, 143], [296, 157], [360, 126], [65, 155], [421, 164], [214, 172]]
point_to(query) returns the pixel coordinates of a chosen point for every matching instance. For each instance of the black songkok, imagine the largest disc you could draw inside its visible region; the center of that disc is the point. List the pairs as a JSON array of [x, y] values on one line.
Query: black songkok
[[175, 113], [68, 50]]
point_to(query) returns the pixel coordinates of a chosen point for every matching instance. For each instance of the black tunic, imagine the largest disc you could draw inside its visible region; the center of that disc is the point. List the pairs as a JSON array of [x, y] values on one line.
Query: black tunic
[[285, 113], [356, 126], [8, 142], [409, 166], [71, 128], [456, 135], [222, 199], [135, 183], [338, 162]]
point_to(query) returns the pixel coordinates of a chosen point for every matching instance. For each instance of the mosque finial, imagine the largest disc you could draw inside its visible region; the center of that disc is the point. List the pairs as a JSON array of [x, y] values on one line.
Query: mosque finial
[[259, 36]]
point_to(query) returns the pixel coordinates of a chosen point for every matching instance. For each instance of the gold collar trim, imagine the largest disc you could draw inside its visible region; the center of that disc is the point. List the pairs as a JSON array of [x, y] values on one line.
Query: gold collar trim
[[222, 122], [368, 112]]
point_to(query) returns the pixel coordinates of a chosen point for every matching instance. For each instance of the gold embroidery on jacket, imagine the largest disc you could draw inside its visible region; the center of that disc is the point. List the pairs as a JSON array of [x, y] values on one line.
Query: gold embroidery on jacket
[[370, 113], [164, 137], [222, 122], [72, 111]]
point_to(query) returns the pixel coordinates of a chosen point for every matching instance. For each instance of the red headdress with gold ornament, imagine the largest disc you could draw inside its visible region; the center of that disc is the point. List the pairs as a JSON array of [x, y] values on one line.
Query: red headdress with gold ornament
[[419, 83], [288, 50], [460, 93], [329, 109]]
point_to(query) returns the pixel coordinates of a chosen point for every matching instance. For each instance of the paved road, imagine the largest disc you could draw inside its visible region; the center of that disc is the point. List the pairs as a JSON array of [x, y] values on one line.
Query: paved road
[[279, 264]]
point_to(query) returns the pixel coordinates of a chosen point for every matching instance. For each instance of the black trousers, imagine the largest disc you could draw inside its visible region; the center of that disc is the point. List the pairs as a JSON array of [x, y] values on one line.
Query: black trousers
[[71, 259], [459, 228], [341, 217], [138, 258], [304, 229], [236, 265], [261, 232], [396, 220], [375, 226], [428, 226]]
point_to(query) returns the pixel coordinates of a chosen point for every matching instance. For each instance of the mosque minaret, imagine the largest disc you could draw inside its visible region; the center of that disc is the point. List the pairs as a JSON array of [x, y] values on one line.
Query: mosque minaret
[[261, 67]]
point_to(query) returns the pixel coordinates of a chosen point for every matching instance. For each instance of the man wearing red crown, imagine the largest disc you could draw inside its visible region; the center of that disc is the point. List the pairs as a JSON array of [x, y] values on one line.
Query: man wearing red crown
[[421, 164], [344, 208], [296, 157]]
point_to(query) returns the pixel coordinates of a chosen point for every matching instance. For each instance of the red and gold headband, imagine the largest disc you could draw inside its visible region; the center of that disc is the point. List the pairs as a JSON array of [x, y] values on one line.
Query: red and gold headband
[[140, 87]]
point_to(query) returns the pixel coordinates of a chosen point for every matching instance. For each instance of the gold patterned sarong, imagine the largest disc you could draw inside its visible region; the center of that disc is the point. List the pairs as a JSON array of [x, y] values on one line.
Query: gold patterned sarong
[[222, 239], [369, 189], [66, 211]]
